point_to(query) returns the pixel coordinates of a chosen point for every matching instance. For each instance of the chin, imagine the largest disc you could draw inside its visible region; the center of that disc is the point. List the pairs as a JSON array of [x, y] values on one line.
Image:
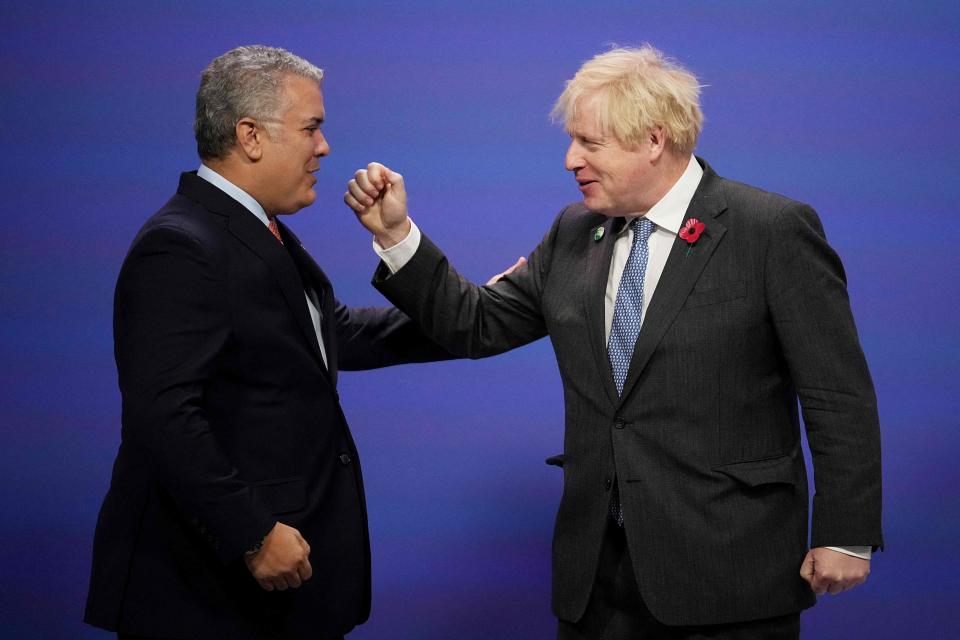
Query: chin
[[599, 207], [307, 200]]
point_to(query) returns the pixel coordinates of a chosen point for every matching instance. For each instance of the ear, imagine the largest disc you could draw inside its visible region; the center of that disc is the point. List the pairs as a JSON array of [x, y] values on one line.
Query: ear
[[250, 138], [657, 140]]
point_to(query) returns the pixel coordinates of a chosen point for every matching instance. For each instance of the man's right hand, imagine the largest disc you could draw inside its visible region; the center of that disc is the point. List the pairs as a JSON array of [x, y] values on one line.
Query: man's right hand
[[516, 265], [282, 562], [376, 194]]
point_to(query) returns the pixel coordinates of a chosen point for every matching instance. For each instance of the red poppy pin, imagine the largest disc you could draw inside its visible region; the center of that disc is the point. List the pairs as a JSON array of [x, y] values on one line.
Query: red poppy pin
[[691, 232]]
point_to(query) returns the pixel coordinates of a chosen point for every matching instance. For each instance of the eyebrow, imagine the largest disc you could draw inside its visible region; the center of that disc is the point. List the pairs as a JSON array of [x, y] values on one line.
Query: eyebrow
[[314, 120]]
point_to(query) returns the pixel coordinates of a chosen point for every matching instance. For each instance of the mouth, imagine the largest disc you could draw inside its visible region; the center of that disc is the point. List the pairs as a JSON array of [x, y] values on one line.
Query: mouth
[[584, 184]]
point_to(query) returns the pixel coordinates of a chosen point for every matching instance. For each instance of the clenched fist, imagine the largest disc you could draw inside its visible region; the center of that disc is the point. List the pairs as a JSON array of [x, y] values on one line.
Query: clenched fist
[[283, 560], [376, 194], [828, 571]]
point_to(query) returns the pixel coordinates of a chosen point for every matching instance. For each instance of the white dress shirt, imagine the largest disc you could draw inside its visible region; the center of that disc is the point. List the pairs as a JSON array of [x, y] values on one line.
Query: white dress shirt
[[250, 204], [667, 217]]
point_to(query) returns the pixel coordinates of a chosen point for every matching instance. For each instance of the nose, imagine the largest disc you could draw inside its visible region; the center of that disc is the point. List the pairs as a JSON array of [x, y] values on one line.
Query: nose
[[323, 147], [574, 159]]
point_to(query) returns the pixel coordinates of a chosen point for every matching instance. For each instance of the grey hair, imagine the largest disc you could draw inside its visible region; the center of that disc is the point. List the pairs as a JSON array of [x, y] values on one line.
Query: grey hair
[[243, 82]]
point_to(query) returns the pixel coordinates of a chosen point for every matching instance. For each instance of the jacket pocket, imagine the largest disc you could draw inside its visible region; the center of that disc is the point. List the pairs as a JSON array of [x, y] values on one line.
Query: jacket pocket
[[716, 296], [754, 473], [283, 495]]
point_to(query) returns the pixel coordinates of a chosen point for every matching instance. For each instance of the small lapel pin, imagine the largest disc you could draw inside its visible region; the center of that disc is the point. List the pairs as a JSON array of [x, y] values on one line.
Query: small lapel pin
[[598, 234]]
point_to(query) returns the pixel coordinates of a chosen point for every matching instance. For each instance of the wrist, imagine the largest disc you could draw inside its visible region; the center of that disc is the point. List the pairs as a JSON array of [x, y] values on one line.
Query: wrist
[[255, 549], [391, 236]]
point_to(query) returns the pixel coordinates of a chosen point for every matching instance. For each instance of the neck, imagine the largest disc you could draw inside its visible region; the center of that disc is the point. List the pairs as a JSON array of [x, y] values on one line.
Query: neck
[[232, 171], [670, 167]]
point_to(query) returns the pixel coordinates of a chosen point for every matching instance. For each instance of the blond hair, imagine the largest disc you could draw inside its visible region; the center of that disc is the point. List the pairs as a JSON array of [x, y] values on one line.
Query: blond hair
[[638, 89]]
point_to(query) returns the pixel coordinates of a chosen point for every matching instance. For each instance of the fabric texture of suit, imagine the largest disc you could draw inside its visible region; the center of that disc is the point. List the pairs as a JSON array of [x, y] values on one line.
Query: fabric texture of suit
[[231, 422], [704, 442]]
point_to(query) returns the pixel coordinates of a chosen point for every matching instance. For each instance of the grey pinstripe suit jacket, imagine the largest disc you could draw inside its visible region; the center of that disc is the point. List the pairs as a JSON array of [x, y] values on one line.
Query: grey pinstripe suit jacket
[[705, 439]]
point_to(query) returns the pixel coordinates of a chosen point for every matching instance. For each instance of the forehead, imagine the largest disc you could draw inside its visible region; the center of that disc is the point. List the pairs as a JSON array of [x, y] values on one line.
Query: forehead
[[304, 98]]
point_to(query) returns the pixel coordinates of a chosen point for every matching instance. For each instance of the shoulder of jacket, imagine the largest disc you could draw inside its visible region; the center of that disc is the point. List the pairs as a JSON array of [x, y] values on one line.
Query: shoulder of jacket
[[741, 195], [577, 215], [182, 217]]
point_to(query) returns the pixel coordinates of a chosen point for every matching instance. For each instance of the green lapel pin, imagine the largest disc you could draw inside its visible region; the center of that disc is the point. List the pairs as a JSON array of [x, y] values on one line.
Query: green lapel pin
[[598, 234]]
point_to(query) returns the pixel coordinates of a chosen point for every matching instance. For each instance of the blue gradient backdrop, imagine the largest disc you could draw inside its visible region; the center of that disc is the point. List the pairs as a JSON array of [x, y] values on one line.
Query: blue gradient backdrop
[[851, 106]]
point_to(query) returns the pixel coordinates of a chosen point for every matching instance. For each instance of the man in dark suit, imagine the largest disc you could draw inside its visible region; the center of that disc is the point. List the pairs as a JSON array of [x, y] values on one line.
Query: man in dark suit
[[236, 507], [688, 314]]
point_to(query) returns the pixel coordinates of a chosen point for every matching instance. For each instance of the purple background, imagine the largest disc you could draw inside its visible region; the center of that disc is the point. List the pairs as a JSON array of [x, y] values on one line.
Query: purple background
[[849, 106]]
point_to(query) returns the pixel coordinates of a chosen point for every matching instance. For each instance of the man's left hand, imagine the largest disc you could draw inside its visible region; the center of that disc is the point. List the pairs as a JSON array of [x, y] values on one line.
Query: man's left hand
[[829, 571]]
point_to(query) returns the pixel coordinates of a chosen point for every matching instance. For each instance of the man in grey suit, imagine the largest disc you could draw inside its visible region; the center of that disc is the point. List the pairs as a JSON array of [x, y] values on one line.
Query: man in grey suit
[[688, 314]]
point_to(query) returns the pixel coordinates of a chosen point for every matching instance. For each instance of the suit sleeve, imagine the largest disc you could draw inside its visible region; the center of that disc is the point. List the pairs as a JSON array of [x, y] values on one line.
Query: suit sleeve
[[466, 319], [810, 309], [369, 338], [171, 321]]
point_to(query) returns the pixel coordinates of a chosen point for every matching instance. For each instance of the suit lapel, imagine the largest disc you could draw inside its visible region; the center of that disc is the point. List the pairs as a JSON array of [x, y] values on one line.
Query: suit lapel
[[597, 273], [680, 274], [246, 228], [318, 280]]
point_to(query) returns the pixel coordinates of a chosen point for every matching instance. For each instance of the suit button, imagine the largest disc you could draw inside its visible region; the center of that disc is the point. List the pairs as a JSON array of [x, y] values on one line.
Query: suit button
[[344, 458], [619, 423], [607, 484]]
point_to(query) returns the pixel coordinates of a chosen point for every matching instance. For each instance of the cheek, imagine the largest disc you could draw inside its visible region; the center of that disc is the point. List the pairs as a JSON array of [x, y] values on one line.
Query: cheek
[[634, 172]]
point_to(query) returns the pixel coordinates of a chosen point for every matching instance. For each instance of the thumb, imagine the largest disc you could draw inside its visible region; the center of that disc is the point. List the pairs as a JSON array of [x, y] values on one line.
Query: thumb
[[807, 569], [393, 178]]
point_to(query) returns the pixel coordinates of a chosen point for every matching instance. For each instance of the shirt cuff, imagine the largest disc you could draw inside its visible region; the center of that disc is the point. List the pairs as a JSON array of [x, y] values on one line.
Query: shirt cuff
[[857, 552], [399, 254]]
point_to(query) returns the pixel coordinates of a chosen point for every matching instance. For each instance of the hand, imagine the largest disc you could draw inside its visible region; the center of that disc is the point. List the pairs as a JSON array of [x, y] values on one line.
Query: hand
[[829, 571], [516, 265], [281, 562], [376, 194]]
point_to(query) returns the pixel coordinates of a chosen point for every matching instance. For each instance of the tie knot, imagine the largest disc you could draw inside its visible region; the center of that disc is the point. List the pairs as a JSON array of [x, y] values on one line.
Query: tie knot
[[642, 228], [274, 229]]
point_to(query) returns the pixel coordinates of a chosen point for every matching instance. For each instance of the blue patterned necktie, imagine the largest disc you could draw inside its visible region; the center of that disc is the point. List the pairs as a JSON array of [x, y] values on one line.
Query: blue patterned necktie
[[629, 306], [625, 327]]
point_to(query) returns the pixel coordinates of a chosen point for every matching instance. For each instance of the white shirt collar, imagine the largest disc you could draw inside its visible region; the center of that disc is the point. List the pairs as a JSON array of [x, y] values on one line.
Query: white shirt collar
[[235, 192], [669, 211]]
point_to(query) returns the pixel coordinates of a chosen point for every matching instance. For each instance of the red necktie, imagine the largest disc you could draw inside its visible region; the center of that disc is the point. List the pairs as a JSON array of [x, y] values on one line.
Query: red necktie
[[274, 229]]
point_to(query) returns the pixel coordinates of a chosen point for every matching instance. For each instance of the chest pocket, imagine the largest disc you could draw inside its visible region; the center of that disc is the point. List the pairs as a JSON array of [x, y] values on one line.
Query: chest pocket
[[715, 296]]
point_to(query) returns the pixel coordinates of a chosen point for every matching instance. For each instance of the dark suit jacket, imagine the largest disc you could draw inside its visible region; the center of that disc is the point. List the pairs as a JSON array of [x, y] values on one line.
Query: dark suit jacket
[[231, 422], [705, 439]]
